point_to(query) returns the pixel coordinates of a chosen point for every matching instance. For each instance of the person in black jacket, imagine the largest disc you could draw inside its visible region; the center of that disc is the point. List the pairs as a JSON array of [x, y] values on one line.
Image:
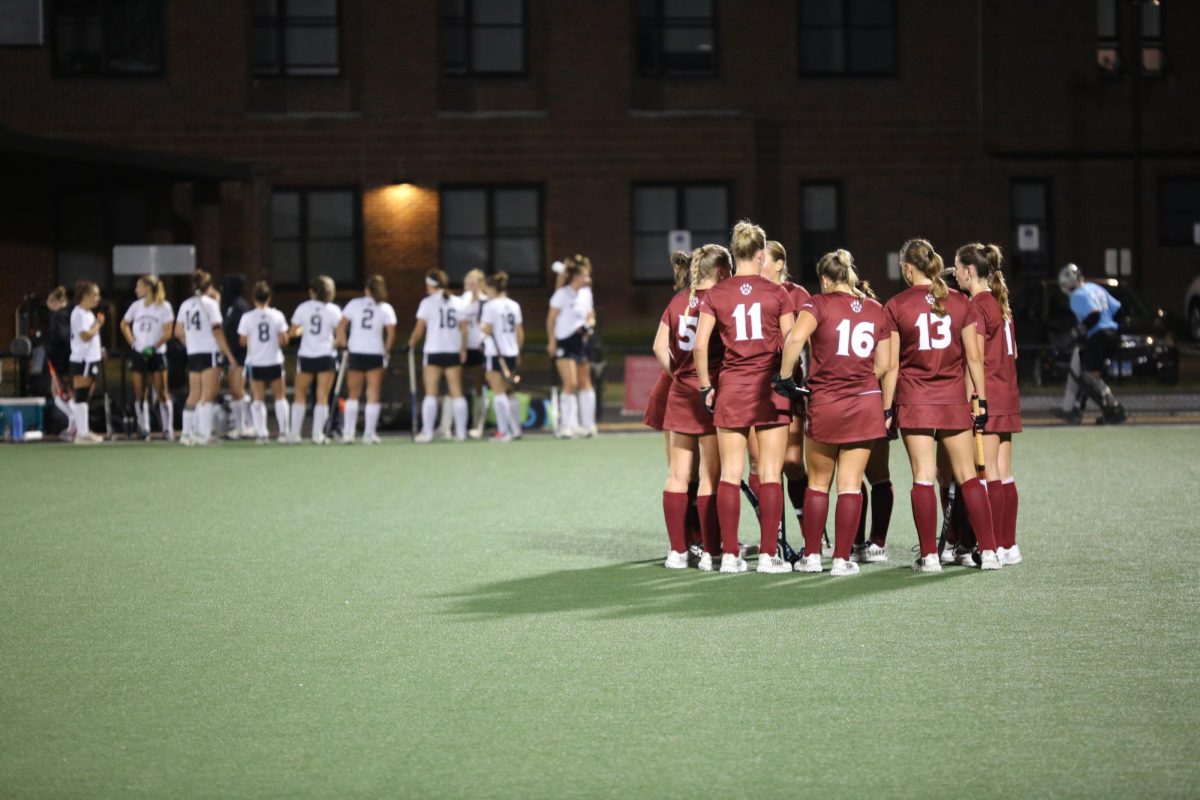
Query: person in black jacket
[[234, 303], [58, 353]]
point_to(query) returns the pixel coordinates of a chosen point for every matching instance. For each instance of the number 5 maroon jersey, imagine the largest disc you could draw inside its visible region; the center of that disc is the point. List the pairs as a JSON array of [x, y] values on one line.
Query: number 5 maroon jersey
[[931, 354], [681, 318], [747, 309], [843, 345]]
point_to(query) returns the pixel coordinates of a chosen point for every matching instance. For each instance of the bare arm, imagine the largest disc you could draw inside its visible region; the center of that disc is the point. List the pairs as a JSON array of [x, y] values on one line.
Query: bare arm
[[798, 336], [662, 347], [418, 332], [551, 344], [180, 332], [892, 372], [974, 354], [704, 331], [88, 335], [243, 341], [462, 337], [127, 331], [166, 335], [223, 343], [520, 338]]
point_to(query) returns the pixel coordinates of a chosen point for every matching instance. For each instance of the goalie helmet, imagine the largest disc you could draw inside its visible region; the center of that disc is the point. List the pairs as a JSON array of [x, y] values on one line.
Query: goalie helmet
[[1069, 278]]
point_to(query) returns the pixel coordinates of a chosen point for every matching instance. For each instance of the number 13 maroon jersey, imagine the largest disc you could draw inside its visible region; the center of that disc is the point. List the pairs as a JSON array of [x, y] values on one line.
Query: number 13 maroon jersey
[[931, 354], [747, 309]]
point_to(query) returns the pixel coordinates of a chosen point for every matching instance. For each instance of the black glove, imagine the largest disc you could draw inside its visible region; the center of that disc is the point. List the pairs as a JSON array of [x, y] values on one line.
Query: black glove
[[704, 394], [787, 387], [889, 420], [982, 417]]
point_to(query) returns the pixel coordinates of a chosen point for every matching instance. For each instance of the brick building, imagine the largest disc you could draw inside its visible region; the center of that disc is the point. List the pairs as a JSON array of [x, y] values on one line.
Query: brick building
[[292, 137]]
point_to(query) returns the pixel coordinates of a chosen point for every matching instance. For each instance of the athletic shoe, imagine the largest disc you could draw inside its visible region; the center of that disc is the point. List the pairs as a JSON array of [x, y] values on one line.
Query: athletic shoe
[[858, 552], [988, 560], [564, 433], [929, 563], [185, 440], [676, 560], [1012, 556], [808, 564], [347, 440], [1000, 551], [949, 556], [200, 441], [372, 439], [967, 558], [320, 438], [475, 433], [233, 434], [731, 564], [842, 568], [260, 440], [84, 440], [423, 438], [587, 433], [705, 564], [874, 554], [517, 436], [772, 565], [500, 437], [460, 438], [247, 431]]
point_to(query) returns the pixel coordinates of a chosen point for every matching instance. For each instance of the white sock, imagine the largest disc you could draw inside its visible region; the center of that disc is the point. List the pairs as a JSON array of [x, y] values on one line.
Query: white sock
[[570, 412], [80, 411], [189, 422], [167, 411], [481, 406], [204, 420], [142, 413], [237, 415], [350, 420], [503, 423], [371, 420], [587, 408], [320, 416], [258, 412], [281, 417], [447, 415], [297, 423], [460, 417], [428, 414]]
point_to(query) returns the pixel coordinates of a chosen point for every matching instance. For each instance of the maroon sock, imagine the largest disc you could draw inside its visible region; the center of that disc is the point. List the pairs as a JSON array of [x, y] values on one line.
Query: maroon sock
[[675, 506], [845, 522], [883, 499], [924, 509], [795, 491], [693, 515], [860, 534], [816, 509], [979, 511], [755, 485], [1010, 513], [770, 501], [710, 529], [729, 512], [995, 491]]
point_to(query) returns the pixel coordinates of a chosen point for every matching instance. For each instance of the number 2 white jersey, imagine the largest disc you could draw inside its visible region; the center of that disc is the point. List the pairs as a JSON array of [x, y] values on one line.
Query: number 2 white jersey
[[471, 305], [368, 322], [441, 316], [503, 315], [319, 323], [147, 322], [261, 327], [199, 315]]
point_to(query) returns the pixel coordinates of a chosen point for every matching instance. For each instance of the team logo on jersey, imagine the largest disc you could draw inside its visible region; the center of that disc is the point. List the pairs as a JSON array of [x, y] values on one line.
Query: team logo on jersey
[[747, 288], [695, 301], [929, 299], [856, 306]]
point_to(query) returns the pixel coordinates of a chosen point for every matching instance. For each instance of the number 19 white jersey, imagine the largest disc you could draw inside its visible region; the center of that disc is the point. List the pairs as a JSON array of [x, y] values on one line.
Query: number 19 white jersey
[[503, 316], [441, 316], [261, 327], [368, 321], [319, 323]]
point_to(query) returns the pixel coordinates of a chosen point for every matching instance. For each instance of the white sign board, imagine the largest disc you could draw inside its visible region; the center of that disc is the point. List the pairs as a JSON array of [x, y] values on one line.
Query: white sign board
[[1126, 262], [1196, 233], [679, 240], [154, 259], [1110, 262], [893, 268], [1029, 238]]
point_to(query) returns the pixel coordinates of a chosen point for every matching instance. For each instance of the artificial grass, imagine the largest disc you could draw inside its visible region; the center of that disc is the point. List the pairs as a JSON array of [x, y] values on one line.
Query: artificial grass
[[492, 621]]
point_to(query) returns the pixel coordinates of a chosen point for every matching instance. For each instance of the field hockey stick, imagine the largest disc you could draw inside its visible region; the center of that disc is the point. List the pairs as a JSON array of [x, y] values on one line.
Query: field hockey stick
[[947, 512], [108, 429], [412, 392], [978, 436], [337, 391], [510, 378]]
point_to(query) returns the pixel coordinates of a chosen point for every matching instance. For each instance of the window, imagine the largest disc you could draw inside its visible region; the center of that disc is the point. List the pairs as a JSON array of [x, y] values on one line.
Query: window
[[675, 37], [108, 38], [700, 209], [821, 225], [299, 38], [21, 22], [495, 229], [1108, 46], [1179, 211], [1031, 226], [483, 37], [1153, 45], [315, 232], [847, 37], [1108, 43]]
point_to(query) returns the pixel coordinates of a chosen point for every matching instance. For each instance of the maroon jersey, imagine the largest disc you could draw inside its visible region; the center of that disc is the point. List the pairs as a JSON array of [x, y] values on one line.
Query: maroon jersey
[[799, 295], [843, 345], [747, 309], [681, 317], [931, 354], [999, 354]]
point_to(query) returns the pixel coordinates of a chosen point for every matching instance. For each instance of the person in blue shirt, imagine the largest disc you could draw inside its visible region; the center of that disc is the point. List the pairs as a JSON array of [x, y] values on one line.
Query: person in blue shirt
[[1095, 310]]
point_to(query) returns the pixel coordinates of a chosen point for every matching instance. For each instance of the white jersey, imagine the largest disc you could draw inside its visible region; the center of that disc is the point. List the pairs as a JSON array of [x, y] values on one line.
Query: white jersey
[[85, 352], [503, 315], [319, 321], [261, 327], [584, 302], [441, 315], [569, 319], [368, 321], [472, 307], [147, 322], [200, 314]]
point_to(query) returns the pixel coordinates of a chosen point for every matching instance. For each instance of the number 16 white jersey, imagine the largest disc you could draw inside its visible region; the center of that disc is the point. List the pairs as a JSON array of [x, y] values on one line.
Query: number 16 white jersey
[[368, 321], [318, 321], [441, 316]]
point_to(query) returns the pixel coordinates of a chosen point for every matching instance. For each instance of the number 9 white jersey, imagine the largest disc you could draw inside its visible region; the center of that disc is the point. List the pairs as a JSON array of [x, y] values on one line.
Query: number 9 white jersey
[[261, 327], [368, 321], [318, 322]]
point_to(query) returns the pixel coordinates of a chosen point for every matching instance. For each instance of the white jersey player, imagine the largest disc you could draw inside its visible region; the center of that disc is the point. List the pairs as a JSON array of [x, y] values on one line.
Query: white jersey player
[[568, 326], [368, 331], [503, 330], [85, 356], [473, 300], [263, 331], [198, 326], [147, 327], [315, 321], [440, 324]]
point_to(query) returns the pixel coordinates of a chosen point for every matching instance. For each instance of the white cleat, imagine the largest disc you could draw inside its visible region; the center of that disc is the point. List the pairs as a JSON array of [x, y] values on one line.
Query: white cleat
[[1000, 553], [842, 568], [966, 558], [501, 437], [874, 554], [676, 560], [1012, 556], [372, 439], [732, 565], [772, 565], [948, 553], [261, 440], [564, 433], [423, 438], [705, 564], [475, 433], [234, 434], [320, 438], [988, 560], [185, 440], [929, 563], [810, 563]]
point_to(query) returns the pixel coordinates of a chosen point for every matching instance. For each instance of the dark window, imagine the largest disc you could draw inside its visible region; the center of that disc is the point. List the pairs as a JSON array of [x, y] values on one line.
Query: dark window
[[1108, 37], [89, 225], [21, 22], [483, 37], [1179, 211], [847, 37], [1108, 45], [315, 232], [700, 209], [675, 37], [297, 37], [1153, 45], [821, 225], [1031, 229], [108, 37], [492, 228]]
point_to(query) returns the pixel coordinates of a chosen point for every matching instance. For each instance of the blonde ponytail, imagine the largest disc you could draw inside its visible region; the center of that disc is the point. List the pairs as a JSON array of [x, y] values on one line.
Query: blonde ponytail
[[920, 255], [837, 266], [706, 263], [747, 241]]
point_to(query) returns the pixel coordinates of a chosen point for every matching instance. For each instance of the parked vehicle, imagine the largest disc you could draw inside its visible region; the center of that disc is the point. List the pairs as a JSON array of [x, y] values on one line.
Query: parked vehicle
[[1191, 309]]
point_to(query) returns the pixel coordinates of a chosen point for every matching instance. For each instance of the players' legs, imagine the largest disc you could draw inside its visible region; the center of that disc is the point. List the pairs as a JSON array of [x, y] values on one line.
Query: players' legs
[[793, 468], [922, 457], [1008, 525], [731, 445], [587, 397], [675, 496], [819, 459], [258, 409], [191, 405], [506, 420], [431, 380], [754, 480], [301, 384], [166, 408], [374, 381], [879, 475], [82, 386], [238, 401], [995, 487], [355, 379], [141, 408], [568, 403], [279, 393], [210, 383], [961, 449], [772, 446], [706, 505], [454, 383], [851, 464]]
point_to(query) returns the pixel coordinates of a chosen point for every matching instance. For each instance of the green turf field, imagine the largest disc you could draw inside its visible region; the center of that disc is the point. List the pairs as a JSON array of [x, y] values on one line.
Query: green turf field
[[491, 621]]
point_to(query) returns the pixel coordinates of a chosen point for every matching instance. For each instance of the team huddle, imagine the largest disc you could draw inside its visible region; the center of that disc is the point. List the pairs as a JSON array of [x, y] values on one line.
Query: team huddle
[[814, 388]]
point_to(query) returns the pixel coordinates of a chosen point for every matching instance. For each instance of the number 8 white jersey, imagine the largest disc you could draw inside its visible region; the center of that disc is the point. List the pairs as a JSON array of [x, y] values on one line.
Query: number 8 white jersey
[[318, 322], [261, 327], [368, 321], [441, 316]]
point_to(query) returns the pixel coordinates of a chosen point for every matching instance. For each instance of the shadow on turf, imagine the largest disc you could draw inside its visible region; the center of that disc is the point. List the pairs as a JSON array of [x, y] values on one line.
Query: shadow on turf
[[644, 588]]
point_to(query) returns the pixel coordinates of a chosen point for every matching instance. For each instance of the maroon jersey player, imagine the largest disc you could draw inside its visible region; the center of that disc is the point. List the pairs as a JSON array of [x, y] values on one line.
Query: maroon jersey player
[[925, 323], [978, 269], [692, 440], [849, 357], [751, 316]]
